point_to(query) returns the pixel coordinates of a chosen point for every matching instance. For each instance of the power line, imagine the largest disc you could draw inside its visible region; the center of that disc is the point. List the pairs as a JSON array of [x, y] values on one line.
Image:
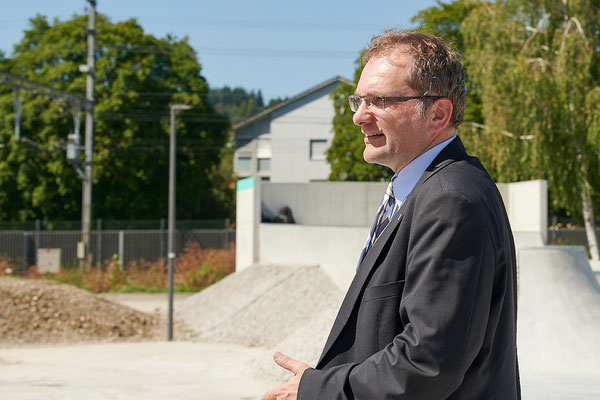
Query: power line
[[235, 23], [19, 82], [276, 53], [216, 51]]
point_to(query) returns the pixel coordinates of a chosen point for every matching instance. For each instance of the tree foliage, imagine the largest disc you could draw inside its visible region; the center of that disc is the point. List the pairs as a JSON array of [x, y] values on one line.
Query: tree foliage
[[445, 20], [536, 64], [236, 103], [239, 104], [138, 77]]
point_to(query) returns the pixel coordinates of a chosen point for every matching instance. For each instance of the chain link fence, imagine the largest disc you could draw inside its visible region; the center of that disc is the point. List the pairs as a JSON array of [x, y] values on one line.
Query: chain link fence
[[20, 247]]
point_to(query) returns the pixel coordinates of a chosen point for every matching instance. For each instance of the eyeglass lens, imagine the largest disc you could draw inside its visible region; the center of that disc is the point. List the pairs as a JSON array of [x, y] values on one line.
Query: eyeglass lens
[[356, 101]]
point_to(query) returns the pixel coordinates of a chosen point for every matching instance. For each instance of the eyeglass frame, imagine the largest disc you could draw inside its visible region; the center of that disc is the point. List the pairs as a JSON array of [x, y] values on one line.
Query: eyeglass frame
[[385, 99]]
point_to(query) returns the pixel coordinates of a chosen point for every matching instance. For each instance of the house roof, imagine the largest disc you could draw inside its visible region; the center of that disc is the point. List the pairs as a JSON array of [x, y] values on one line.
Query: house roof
[[268, 111]]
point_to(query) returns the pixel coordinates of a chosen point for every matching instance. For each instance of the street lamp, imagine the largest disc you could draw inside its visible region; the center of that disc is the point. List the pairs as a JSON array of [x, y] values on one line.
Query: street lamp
[[170, 250]]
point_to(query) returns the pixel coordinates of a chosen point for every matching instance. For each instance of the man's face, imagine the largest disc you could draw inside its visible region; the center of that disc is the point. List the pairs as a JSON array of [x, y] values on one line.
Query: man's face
[[397, 135]]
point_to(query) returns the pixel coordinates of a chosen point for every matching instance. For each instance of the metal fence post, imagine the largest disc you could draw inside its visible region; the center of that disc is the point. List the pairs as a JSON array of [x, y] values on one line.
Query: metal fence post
[[99, 243], [162, 238], [38, 227], [122, 248], [25, 252]]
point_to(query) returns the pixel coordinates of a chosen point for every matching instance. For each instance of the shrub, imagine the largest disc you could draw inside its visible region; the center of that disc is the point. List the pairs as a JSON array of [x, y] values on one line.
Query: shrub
[[7, 267], [195, 269]]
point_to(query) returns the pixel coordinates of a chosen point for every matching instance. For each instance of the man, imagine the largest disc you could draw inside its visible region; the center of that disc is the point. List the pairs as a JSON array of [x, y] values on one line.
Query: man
[[431, 312]]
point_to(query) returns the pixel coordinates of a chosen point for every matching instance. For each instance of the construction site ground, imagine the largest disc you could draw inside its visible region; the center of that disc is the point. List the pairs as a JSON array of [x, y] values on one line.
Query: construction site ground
[[198, 364]]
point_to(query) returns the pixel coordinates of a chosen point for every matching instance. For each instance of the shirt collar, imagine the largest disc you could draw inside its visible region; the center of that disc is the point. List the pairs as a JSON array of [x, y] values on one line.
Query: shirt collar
[[405, 180]]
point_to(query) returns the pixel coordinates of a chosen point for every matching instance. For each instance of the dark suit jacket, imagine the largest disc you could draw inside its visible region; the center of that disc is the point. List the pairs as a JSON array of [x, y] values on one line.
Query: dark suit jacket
[[431, 312]]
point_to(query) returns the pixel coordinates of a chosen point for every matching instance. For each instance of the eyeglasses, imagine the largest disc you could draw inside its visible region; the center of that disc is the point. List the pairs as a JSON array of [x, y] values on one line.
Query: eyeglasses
[[379, 101]]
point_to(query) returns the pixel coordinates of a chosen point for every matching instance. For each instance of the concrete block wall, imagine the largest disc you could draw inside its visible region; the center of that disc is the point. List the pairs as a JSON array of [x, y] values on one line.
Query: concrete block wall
[[527, 207], [333, 220], [326, 203]]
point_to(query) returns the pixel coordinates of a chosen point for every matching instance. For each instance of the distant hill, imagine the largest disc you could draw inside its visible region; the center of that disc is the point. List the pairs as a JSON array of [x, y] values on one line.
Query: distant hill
[[238, 104]]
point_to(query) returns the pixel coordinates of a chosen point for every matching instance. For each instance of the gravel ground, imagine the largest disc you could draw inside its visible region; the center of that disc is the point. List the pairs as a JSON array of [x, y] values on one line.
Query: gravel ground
[[152, 303], [292, 307], [260, 306], [281, 308], [41, 312]]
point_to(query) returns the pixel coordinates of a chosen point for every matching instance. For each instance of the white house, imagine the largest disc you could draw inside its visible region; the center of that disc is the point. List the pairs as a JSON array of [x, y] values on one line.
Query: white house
[[287, 142]]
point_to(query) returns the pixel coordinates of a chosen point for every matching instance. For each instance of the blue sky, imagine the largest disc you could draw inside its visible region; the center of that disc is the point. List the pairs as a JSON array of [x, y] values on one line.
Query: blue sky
[[279, 47]]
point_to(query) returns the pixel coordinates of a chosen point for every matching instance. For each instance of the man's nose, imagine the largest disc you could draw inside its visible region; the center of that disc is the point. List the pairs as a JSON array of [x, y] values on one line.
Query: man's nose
[[362, 116]]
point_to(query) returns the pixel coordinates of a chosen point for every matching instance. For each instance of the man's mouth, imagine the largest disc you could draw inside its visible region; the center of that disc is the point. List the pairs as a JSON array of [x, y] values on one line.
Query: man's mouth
[[376, 139]]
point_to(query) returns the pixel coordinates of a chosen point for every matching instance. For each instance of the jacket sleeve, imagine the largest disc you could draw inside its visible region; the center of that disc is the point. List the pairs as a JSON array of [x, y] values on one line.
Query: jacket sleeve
[[444, 309]]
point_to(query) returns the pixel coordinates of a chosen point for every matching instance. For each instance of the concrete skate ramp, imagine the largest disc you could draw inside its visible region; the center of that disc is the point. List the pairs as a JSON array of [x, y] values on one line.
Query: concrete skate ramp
[[559, 311], [262, 305]]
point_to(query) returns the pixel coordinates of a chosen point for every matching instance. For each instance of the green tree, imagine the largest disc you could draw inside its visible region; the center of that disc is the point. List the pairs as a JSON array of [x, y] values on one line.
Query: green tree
[[138, 77], [237, 103], [537, 66], [223, 182], [445, 20]]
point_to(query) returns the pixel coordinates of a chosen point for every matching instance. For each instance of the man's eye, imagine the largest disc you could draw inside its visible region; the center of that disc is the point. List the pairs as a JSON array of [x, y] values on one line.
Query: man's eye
[[378, 102], [368, 100]]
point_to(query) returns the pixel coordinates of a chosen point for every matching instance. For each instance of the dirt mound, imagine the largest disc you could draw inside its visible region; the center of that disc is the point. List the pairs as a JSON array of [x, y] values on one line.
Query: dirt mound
[[40, 311]]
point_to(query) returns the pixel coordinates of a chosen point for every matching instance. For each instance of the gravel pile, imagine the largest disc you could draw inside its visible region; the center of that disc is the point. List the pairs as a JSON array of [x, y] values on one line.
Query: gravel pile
[[42, 312], [285, 308], [305, 344]]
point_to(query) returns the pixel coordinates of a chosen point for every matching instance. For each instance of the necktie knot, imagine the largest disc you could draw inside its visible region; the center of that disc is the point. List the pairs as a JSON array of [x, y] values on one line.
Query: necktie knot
[[390, 189]]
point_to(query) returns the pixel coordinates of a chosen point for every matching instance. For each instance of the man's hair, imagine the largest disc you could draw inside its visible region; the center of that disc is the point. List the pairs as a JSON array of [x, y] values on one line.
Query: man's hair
[[436, 68]]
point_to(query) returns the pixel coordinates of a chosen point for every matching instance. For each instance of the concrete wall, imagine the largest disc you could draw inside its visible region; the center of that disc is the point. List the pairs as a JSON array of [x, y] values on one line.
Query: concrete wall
[[333, 220], [559, 311], [326, 203], [355, 204], [335, 249], [292, 128], [527, 207], [247, 211]]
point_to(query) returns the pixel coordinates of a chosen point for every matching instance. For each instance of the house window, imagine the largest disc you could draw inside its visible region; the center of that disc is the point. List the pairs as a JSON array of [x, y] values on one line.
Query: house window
[[264, 164], [244, 164], [317, 149]]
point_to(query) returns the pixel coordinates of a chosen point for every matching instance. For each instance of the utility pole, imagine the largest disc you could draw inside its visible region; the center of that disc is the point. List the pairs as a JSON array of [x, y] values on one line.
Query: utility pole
[[171, 239], [86, 204]]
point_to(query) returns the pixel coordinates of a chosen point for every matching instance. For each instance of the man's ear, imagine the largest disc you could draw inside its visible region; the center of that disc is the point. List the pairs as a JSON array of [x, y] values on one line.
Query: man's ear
[[439, 115]]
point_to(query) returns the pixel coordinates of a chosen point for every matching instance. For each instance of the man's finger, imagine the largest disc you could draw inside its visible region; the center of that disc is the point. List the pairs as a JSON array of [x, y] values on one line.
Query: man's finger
[[289, 363]]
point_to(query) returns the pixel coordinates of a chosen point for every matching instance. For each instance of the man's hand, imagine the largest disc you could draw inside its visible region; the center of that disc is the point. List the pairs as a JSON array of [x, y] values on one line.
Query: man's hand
[[289, 390]]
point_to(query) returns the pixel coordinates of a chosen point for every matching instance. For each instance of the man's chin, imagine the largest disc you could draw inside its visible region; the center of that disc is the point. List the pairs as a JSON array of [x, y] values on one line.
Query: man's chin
[[372, 157]]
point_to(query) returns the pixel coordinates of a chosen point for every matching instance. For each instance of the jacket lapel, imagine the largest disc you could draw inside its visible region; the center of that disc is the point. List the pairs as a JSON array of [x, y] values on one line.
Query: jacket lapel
[[361, 277], [451, 152]]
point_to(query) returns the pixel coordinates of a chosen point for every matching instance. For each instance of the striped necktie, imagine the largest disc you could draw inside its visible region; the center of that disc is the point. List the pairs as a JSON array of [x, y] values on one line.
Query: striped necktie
[[386, 211]]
